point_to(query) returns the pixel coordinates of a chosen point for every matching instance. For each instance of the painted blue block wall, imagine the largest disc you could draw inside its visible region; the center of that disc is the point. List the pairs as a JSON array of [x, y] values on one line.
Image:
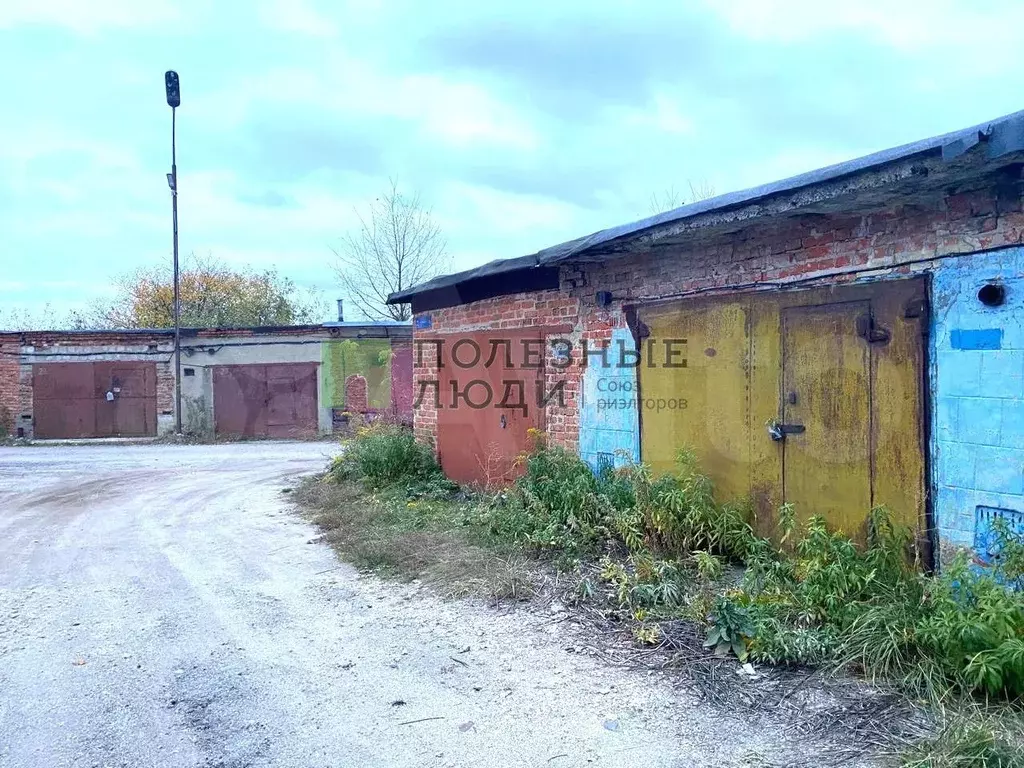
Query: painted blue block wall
[[610, 433], [977, 372]]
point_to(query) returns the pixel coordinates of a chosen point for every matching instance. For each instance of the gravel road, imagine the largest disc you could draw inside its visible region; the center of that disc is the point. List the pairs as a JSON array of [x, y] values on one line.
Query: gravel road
[[161, 606]]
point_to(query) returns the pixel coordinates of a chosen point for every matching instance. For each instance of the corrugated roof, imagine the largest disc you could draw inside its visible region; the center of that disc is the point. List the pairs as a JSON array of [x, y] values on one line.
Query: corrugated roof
[[1003, 135]]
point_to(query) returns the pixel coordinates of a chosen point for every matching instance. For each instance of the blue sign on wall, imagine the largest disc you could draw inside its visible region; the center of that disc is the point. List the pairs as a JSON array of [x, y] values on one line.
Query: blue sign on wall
[[982, 338], [424, 321]]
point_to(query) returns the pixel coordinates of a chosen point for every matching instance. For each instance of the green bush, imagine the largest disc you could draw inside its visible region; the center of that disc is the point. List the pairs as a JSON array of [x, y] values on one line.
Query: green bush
[[385, 455], [557, 505], [677, 514], [830, 602], [561, 504]]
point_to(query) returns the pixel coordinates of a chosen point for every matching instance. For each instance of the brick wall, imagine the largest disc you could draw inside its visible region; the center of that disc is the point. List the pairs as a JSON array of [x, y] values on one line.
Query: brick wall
[[834, 247], [550, 308], [165, 393], [10, 396], [837, 248], [57, 346]]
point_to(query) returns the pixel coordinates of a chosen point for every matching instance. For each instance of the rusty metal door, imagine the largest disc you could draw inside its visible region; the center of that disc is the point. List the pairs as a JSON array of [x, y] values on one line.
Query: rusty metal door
[[291, 400], [132, 410], [70, 400], [478, 439], [826, 413], [273, 400], [63, 400]]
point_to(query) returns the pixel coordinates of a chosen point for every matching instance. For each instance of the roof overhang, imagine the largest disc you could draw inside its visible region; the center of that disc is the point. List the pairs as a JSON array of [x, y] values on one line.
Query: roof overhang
[[867, 182]]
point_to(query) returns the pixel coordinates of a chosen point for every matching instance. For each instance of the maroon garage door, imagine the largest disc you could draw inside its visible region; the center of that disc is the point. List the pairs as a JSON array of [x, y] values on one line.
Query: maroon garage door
[[101, 399], [276, 400], [480, 446]]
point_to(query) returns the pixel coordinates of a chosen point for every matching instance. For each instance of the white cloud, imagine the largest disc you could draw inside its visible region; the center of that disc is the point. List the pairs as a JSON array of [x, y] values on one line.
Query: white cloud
[[86, 17], [903, 25], [663, 115], [296, 16], [455, 112], [502, 213]]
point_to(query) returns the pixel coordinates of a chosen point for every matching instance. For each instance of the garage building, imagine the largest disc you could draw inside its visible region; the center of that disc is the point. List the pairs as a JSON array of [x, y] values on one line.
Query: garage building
[[288, 381], [844, 339]]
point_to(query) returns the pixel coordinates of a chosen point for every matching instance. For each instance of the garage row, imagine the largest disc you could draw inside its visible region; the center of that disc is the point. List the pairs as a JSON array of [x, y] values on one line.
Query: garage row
[[286, 381]]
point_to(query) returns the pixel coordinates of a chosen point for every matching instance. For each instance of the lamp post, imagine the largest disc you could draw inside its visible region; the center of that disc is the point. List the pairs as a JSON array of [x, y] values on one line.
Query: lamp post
[[173, 90]]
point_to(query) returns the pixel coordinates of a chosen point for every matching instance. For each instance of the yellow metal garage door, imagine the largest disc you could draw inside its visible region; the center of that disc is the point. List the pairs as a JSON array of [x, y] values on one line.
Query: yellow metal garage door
[[840, 368]]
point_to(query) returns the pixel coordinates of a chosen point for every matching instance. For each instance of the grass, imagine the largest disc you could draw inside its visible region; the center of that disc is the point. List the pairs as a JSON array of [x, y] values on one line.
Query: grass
[[391, 534], [654, 551]]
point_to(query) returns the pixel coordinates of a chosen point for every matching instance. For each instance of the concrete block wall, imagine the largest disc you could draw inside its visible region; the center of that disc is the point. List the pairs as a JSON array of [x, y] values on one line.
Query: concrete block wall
[[977, 378], [212, 349], [609, 420], [385, 367]]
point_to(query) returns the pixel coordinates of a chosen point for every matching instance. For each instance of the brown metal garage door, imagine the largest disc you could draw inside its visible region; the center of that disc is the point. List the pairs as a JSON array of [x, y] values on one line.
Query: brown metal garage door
[[480, 445], [71, 399], [277, 400]]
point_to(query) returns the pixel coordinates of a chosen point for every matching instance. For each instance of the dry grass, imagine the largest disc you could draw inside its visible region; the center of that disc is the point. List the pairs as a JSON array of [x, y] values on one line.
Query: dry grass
[[386, 534], [969, 734]]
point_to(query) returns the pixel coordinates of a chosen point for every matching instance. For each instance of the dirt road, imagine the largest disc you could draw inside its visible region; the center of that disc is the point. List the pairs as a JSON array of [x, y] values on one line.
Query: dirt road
[[160, 606]]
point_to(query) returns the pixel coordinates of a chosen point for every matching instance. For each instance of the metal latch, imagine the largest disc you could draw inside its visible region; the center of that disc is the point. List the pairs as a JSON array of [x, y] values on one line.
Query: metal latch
[[778, 432]]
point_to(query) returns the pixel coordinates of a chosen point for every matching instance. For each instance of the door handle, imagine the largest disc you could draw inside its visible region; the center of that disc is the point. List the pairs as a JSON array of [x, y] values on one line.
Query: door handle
[[503, 422]]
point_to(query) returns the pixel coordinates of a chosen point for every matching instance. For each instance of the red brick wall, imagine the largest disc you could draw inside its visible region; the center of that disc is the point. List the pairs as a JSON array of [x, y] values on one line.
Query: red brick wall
[[355, 394], [16, 374], [10, 396], [791, 251], [551, 309], [165, 385], [838, 248]]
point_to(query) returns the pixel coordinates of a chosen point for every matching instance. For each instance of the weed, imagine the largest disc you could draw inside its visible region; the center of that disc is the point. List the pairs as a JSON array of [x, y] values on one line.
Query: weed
[[384, 454], [1009, 553], [730, 630], [661, 546], [388, 533]]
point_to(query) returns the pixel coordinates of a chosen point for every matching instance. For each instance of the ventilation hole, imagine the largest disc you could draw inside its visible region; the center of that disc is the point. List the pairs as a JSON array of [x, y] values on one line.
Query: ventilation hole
[[992, 294]]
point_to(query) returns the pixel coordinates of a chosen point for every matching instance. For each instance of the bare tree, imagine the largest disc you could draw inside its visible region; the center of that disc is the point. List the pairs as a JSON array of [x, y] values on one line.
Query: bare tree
[[671, 198], [396, 246], [44, 318]]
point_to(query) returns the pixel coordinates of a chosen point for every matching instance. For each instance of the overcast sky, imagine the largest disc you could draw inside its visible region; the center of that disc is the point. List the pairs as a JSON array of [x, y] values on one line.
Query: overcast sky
[[521, 127]]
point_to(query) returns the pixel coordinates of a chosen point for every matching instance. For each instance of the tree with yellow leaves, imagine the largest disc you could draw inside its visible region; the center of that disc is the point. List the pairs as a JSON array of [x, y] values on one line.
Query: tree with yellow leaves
[[213, 295]]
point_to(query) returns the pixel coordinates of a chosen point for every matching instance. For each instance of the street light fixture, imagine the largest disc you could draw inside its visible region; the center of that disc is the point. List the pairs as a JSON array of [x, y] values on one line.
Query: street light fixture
[[173, 89]]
